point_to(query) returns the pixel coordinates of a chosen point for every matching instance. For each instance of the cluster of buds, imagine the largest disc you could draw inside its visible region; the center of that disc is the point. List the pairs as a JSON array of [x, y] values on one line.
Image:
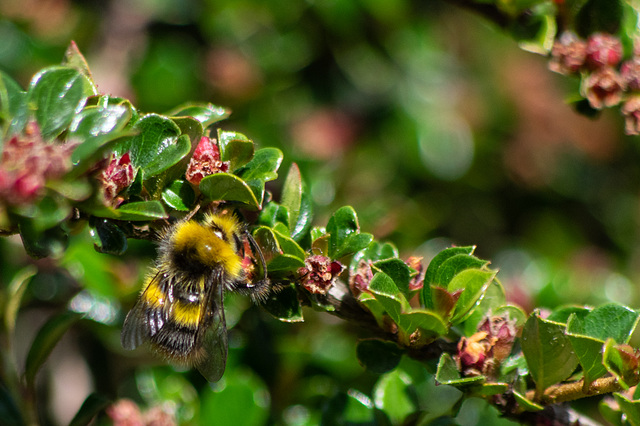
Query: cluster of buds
[[319, 273], [482, 353], [118, 175], [27, 163], [205, 161], [606, 80]]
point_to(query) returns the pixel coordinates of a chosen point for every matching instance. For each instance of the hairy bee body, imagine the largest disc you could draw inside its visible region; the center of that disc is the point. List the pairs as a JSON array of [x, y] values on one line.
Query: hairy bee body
[[180, 310]]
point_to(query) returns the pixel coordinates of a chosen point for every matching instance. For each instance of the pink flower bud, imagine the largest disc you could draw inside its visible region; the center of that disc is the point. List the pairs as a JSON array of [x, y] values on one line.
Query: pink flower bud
[[568, 54], [603, 50], [360, 278], [631, 112], [603, 88], [630, 72], [474, 352], [205, 161]]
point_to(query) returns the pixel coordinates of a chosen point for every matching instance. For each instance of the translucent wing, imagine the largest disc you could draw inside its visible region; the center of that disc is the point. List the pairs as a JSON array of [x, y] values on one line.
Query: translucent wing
[[149, 314], [212, 336]]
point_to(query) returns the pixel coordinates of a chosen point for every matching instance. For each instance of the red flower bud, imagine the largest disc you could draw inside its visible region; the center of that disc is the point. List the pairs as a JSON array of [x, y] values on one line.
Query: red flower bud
[[474, 352], [118, 175], [205, 161], [319, 274]]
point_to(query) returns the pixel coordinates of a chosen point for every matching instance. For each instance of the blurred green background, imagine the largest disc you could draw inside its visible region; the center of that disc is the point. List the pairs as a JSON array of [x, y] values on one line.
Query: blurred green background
[[433, 124]]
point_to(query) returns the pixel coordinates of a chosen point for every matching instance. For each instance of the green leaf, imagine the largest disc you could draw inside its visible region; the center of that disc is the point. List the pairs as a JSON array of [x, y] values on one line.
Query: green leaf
[[16, 289], [622, 362], [548, 352], [284, 263], [205, 113], [57, 94], [179, 195], [46, 339], [108, 237], [95, 121], [493, 299], [297, 202], [631, 409], [289, 246], [608, 321], [448, 374], [284, 305], [228, 187], [399, 272], [588, 349], [454, 265], [394, 394], [342, 224], [235, 148], [526, 404], [378, 356], [13, 106], [388, 295], [429, 325], [243, 401], [263, 166], [138, 210], [432, 270], [73, 58], [157, 145], [562, 314], [90, 408], [39, 244], [351, 408], [474, 283], [353, 244], [375, 251]]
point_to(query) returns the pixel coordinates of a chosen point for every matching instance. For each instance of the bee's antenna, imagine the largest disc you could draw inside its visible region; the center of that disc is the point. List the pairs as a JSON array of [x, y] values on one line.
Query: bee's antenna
[[256, 248]]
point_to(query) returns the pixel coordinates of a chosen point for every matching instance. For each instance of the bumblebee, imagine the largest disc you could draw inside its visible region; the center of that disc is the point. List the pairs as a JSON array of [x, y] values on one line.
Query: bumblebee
[[180, 310]]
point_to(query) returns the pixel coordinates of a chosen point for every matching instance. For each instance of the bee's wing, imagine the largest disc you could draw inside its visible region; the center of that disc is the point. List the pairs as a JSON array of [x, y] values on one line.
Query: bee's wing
[[212, 337], [143, 320]]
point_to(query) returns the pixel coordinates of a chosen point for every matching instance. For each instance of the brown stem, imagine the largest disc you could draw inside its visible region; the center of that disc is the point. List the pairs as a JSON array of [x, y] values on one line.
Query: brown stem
[[576, 390]]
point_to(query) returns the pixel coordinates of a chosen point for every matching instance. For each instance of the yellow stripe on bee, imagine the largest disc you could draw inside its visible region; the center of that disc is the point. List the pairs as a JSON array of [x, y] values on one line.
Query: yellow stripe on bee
[[186, 314], [153, 295], [207, 247]]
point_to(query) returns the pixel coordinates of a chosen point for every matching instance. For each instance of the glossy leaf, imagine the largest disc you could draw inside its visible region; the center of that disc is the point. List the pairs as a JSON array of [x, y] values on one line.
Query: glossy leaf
[[448, 373], [493, 299], [588, 350], [284, 305], [45, 340], [434, 266], [108, 237], [205, 113], [57, 94], [179, 195], [399, 272], [13, 106], [622, 362], [228, 187], [73, 58], [297, 202], [631, 409], [235, 148], [474, 284], [548, 351], [388, 295], [608, 321], [263, 166], [454, 265], [157, 144], [526, 404], [427, 324], [289, 246]]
